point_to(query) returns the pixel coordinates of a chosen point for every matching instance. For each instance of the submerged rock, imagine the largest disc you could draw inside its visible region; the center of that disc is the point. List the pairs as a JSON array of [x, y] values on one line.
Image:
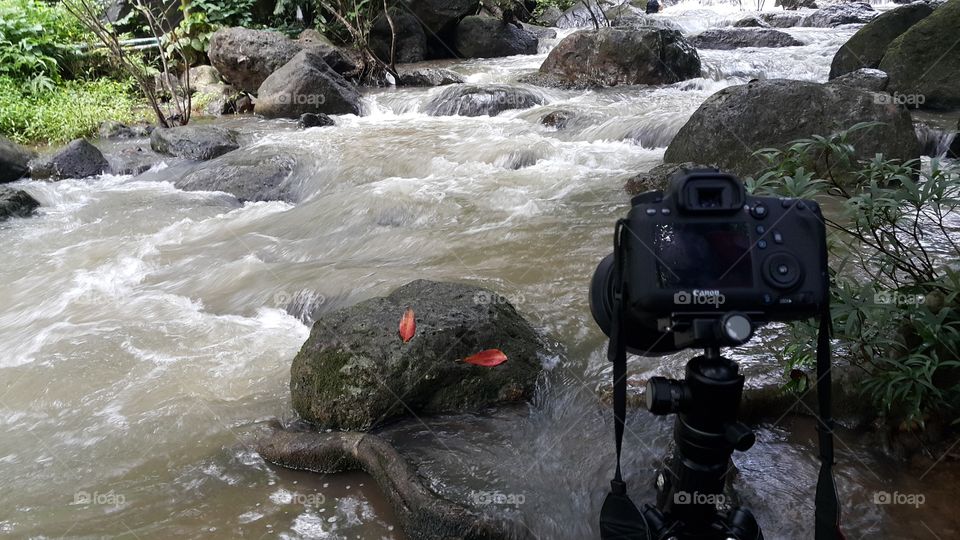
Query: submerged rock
[[134, 160], [924, 62], [198, 143], [486, 37], [751, 21], [79, 159], [838, 14], [866, 48], [779, 19], [429, 77], [14, 161], [557, 119], [16, 203], [617, 56], [735, 38], [737, 121], [309, 120], [354, 371], [306, 84], [476, 100], [259, 175]]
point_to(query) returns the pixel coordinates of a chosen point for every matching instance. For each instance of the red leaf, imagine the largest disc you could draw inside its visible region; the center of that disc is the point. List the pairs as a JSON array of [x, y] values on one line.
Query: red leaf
[[408, 325], [487, 358]]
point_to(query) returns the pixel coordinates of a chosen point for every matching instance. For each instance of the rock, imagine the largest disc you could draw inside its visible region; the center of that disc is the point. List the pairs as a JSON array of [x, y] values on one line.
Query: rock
[[557, 119], [924, 60], [658, 177], [411, 41], [796, 4], [247, 57], [735, 38], [312, 36], [16, 203], [837, 14], [779, 19], [133, 161], [550, 16], [867, 47], [353, 367], [476, 100], [217, 99], [14, 161], [872, 80], [486, 37], [442, 16], [751, 21], [309, 120], [79, 159], [429, 77], [115, 130], [585, 16], [628, 15], [198, 143], [257, 174], [540, 32], [736, 121], [204, 76], [616, 56], [306, 84]]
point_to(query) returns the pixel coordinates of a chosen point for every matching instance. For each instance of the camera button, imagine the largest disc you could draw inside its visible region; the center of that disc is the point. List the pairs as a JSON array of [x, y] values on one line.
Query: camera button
[[802, 205], [761, 229], [651, 211], [786, 203], [762, 244], [665, 211], [777, 237], [759, 211], [767, 299]]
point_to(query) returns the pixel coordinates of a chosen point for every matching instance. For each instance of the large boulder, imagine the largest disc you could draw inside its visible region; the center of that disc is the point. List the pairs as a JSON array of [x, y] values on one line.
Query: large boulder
[[411, 41], [837, 14], [737, 121], [14, 161], [79, 159], [581, 15], [867, 47], [618, 56], [16, 203], [257, 174], [873, 80], [429, 77], [486, 37], [247, 57], [796, 4], [750, 21], [735, 38], [485, 100], [441, 16], [354, 372], [306, 84], [925, 60], [198, 143]]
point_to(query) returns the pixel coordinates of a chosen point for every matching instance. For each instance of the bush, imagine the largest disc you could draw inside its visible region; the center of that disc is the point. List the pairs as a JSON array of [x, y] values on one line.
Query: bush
[[67, 111], [37, 41], [896, 287]]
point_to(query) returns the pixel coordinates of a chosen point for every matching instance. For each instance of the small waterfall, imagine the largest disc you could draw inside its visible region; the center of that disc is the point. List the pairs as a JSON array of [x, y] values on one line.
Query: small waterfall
[[937, 142]]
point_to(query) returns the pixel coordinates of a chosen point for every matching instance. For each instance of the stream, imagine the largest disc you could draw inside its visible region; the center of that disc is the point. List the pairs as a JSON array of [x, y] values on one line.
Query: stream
[[145, 330]]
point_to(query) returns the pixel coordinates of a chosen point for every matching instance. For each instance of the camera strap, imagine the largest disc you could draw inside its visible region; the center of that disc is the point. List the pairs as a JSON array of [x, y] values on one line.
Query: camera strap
[[827, 509]]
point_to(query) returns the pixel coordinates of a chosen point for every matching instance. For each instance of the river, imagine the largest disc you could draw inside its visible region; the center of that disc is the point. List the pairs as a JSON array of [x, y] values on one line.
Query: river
[[145, 329]]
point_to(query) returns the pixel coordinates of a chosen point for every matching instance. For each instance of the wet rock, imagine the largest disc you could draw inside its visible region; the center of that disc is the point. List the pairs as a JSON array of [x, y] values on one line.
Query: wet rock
[[751, 21], [245, 58], [735, 38], [306, 84], [260, 174], [838, 14], [540, 32], [312, 36], [486, 37], [411, 41], [557, 119], [198, 143], [14, 161], [631, 16], [550, 16], [867, 47], [658, 177], [114, 130], [872, 80], [796, 4], [217, 100], [135, 160], [750, 117], [779, 19], [16, 203], [79, 159], [584, 16], [617, 56], [429, 77], [203, 76], [476, 100], [924, 60], [353, 367], [442, 16], [309, 120]]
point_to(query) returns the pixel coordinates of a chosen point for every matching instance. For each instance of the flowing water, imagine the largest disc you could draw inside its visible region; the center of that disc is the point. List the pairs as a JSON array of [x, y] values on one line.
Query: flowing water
[[144, 329]]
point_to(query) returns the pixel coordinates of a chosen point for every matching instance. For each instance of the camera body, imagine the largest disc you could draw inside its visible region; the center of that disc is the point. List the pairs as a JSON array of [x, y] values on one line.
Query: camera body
[[704, 249]]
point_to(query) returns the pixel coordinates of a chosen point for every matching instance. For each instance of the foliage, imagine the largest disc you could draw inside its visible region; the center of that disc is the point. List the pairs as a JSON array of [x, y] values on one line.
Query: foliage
[[37, 41], [67, 111], [191, 36], [562, 5], [896, 286], [225, 12]]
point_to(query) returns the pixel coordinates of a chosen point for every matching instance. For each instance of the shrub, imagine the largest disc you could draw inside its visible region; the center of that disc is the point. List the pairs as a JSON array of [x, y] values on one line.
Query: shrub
[[37, 41], [896, 286], [64, 112]]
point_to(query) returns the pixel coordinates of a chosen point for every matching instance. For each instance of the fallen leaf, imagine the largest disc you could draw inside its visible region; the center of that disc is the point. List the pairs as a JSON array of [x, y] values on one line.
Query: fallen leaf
[[487, 358], [408, 325]]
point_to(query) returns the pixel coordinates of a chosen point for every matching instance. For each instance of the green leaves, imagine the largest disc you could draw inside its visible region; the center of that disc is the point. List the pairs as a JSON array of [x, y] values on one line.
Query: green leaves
[[35, 39]]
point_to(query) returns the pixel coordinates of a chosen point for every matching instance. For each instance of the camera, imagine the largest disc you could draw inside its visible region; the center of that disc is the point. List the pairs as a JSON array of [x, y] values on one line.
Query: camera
[[703, 263]]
